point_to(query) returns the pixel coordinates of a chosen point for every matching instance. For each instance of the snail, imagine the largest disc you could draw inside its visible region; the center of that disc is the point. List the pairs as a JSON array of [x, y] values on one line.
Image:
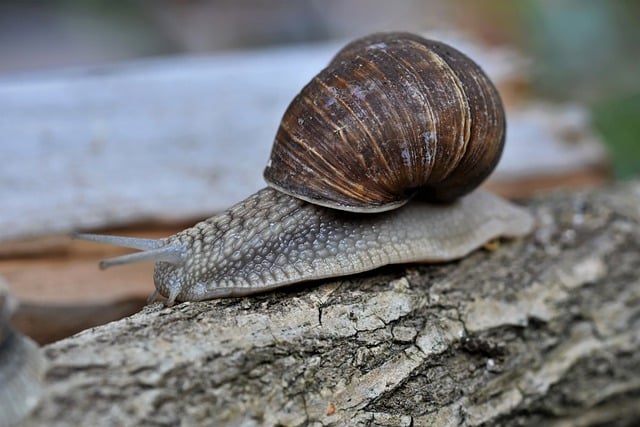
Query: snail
[[21, 366], [374, 163]]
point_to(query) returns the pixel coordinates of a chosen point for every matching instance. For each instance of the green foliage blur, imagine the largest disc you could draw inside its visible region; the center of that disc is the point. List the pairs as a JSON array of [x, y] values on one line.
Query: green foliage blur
[[589, 51], [618, 120]]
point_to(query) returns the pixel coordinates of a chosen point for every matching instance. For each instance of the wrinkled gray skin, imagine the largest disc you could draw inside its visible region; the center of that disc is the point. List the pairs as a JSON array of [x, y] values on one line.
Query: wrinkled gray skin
[[272, 239]]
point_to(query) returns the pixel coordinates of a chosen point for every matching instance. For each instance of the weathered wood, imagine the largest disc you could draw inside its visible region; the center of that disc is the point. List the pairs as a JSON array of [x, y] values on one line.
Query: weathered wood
[[542, 331]]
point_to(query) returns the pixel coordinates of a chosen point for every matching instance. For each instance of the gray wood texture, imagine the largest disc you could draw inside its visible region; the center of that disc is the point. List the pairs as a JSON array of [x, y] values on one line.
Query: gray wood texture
[[540, 331], [180, 138]]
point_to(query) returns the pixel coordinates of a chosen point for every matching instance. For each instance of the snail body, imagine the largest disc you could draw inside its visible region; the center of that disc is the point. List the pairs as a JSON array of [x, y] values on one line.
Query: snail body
[[374, 164]]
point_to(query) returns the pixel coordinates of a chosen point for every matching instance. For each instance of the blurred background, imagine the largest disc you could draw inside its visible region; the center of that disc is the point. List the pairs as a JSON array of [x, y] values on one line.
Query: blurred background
[[111, 112], [581, 50]]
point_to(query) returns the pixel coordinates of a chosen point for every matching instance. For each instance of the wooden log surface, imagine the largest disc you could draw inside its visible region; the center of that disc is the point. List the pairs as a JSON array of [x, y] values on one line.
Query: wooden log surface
[[540, 331]]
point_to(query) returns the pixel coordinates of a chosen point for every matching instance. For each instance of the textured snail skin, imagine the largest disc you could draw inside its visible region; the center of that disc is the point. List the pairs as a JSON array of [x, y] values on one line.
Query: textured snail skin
[[271, 239]]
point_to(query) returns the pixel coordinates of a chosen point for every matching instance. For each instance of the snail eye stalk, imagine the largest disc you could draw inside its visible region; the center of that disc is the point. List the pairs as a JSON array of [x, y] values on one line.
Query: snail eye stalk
[[152, 249]]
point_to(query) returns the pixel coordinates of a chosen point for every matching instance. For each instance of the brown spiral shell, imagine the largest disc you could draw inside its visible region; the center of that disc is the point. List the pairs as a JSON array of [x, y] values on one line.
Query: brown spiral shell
[[391, 116]]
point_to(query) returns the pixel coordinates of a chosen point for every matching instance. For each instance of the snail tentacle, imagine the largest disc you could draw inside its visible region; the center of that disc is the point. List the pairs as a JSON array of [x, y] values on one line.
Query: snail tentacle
[[172, 254], [126, 242], [156, 250]]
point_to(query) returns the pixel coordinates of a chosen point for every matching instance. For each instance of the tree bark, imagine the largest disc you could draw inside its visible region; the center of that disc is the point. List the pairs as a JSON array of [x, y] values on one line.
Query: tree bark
[[543, 330]]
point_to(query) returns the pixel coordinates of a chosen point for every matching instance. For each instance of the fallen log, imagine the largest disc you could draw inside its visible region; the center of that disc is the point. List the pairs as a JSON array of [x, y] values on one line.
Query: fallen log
[[538, 331]]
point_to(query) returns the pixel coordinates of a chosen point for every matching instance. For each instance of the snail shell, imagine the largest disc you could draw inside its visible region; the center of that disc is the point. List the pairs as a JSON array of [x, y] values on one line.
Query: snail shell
[[392, 117], [21, 366]]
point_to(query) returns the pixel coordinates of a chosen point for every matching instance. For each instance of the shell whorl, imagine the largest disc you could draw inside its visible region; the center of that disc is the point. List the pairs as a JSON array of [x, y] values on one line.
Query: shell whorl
[[392, 115]]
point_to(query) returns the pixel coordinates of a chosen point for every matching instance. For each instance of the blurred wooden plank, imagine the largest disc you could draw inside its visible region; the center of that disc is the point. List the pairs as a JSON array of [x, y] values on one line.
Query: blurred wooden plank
[[549, 147], [156, 140]]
